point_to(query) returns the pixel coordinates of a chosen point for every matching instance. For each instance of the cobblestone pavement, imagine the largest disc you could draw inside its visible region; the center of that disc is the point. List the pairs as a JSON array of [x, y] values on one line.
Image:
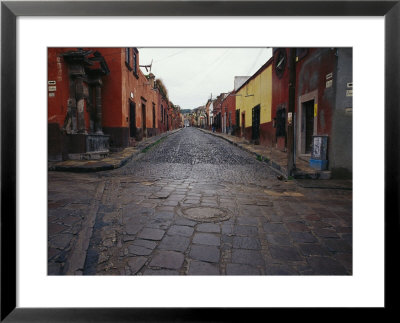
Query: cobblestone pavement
[[196, 205]]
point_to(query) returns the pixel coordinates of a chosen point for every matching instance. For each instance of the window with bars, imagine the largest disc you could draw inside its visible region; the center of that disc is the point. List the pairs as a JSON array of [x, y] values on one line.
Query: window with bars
[[134, 62], [128, 58]]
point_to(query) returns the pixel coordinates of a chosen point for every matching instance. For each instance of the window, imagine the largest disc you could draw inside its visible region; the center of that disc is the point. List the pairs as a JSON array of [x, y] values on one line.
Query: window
[[300, 53], [154, 115], [134, 63], [128, 58]]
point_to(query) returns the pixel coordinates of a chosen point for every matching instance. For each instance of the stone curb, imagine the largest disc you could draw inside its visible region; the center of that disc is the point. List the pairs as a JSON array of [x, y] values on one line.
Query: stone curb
[[119, 162], [274, 166]]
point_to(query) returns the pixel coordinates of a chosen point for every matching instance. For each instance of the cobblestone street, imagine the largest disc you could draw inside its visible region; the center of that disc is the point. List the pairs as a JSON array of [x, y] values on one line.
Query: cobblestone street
[[193, 204]]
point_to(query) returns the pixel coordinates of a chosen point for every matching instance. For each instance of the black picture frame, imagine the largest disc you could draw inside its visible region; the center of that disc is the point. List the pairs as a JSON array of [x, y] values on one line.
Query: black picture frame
[[10, 10]]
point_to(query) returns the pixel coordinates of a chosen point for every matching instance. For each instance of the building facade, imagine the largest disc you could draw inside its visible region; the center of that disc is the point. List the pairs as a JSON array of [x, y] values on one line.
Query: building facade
[[254, 106], [99, 101], [323, 103]]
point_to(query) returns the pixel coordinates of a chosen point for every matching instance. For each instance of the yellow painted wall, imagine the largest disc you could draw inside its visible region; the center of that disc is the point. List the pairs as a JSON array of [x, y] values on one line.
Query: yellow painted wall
[[261, 88]]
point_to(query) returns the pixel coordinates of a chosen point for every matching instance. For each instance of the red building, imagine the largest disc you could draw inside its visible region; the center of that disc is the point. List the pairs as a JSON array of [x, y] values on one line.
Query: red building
[[228, 112], [99, 100], [217, 112], [323, 103]]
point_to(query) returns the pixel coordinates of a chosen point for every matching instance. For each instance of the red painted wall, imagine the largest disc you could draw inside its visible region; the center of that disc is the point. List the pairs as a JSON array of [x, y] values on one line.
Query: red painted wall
[[280, 97], [311, 72], [230, 104], [57, 71]]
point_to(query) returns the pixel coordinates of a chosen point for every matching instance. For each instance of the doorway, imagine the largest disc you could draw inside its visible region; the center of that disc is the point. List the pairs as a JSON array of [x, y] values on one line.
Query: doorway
[[132, 119], [255, 124], [243, 123], [308, 123], [144, 119]]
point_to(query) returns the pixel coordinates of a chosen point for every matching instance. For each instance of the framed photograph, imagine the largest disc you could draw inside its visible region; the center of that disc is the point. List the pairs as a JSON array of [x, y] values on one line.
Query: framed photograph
[[362, 35]]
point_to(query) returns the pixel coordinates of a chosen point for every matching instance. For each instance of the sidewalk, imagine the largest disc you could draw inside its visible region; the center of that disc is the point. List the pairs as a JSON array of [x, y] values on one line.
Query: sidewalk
[[112, 161], [275, 158]]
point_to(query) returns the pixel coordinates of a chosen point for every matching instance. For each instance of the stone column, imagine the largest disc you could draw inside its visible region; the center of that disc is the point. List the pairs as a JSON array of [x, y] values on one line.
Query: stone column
[[80, 104], [72, 105], [99, 112]]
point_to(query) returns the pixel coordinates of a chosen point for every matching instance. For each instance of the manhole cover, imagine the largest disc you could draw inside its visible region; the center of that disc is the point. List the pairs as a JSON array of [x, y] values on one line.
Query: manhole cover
[[204, 213]]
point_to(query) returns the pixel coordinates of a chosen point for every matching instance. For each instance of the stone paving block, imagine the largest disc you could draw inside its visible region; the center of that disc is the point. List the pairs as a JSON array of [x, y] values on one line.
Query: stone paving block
[[347, 237], [136, 263], [247, 220], [303, 237], [54, 269], [280, 270], [139, 250], [167, 259], [311, 217], [191, 202], [326, 266], [159, 224], [205, 253], [346, 260], [161, 195], [282, 239], [296, 227], [246, 243], [54, 228], [61, 241], [250, 212], [209, 204], [132, 228], [337, 245], [247, 257], [160, 272], [170, 202], [208, 227], [206, 239], [285, 253], [51, 252], [186, 222], [241, 269], [136, 210], [151, 234], [312, 249], [274, 228], [274, 217], [145, 243], [175, 243], [245, 230], [202, 268], [181, 230], [176, 197], [325, 233], [227, 239], [69, 221], [126, 238], [341, 229], [319, 225], [227, 228]]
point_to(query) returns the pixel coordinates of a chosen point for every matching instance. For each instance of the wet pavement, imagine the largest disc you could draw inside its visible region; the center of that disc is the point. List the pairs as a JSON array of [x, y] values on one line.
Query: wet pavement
[[196, 205]]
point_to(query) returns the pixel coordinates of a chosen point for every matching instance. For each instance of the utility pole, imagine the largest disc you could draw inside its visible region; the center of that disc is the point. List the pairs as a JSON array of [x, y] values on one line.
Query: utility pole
[[292, 97]]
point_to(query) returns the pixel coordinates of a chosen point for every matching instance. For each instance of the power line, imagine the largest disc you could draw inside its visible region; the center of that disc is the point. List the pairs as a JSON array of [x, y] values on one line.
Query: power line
[[255, 62], [169, 56]]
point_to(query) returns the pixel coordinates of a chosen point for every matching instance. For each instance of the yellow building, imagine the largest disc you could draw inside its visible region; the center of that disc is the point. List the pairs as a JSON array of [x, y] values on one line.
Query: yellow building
[[254, 102]]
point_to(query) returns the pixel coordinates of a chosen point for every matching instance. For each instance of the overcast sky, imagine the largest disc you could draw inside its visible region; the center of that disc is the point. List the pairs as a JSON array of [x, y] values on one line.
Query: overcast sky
[[192, 74]]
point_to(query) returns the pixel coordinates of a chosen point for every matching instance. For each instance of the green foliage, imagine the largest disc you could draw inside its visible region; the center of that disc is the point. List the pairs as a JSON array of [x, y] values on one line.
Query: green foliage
[[162, 88]]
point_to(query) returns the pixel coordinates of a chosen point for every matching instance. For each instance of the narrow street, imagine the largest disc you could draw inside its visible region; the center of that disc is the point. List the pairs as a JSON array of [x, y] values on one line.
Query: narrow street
[[193, 204]]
